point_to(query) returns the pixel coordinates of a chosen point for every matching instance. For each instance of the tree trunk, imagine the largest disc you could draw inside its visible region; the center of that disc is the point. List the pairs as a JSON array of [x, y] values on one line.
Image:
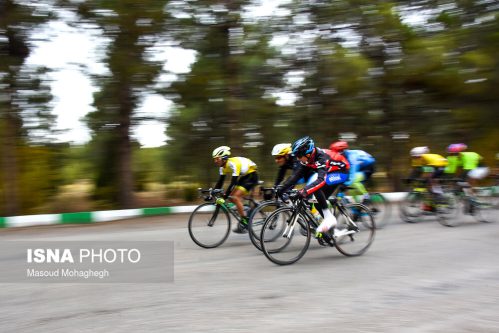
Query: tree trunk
[[125, 175], [9, 165]]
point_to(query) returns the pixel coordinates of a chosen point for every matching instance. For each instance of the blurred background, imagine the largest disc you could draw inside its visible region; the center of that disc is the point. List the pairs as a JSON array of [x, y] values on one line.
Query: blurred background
[[119, 104]]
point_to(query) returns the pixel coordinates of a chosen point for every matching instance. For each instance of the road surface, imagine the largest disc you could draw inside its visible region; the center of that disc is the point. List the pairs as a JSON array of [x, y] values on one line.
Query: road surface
[[415, 278]]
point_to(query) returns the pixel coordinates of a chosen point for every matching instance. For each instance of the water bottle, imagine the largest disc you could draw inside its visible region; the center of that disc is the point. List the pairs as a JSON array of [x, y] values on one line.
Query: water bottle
[[316, 214]]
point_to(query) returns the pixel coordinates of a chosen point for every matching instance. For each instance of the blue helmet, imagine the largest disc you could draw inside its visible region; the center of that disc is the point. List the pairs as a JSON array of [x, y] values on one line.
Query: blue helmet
[[303, 146]]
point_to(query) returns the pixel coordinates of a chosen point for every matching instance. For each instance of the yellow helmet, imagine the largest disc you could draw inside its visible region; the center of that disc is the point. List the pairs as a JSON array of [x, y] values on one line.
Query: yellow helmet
[[281, 149]]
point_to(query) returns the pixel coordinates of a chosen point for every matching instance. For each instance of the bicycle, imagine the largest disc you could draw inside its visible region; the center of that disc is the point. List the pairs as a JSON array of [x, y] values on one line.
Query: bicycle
[[420, 202], [480, 202], [210, 223], [260, 213], [295, 223]]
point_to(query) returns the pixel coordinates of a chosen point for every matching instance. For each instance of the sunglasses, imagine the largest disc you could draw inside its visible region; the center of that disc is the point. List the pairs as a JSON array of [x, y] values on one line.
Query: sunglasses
[[279, 157]]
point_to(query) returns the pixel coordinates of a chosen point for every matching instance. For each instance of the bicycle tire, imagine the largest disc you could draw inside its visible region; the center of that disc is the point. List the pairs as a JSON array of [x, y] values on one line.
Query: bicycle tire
[[283, 253], [448, 210], [410, 207], [380, 208], [486, 208], [200, 229], [257, 219], [356, 243]]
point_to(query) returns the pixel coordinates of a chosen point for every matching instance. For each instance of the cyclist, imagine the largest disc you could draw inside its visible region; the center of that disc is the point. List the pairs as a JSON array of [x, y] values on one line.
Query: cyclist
[[361, 167], [286, 161], [428, 166], [472, 166], [465, 164], [331, 169], [454, 162], [244, 178]]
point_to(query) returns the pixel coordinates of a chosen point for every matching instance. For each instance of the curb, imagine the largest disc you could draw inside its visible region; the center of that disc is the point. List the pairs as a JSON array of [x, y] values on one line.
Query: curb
[[112, 215]]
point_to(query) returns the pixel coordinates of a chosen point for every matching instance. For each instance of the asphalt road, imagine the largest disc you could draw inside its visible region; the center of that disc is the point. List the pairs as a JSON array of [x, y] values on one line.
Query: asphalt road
[[415, 278]]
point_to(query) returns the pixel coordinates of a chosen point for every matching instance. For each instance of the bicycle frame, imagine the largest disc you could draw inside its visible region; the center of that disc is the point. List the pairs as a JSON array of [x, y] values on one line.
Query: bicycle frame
[[300, 207]]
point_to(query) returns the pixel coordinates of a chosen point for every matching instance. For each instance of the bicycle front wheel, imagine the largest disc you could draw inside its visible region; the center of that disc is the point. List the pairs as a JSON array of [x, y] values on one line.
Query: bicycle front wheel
[[359, 227], [284, 239], [209, 225], [411, 208], [257, 219]]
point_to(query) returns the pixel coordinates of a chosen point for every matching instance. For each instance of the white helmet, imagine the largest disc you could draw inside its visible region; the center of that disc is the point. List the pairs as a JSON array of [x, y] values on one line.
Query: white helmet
[[222, 151], [281, 149], [418, 151]]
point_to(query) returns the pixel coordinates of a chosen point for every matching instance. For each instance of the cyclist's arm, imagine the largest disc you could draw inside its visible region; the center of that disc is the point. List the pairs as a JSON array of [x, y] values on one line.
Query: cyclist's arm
[[220, 182], [280, 175], [293, 179], [415, 173], [354, 168], [318, 183]]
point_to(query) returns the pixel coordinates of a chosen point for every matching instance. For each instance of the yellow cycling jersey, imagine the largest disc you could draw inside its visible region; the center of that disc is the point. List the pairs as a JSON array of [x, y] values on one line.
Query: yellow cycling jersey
[[238, 166], [433, 160]]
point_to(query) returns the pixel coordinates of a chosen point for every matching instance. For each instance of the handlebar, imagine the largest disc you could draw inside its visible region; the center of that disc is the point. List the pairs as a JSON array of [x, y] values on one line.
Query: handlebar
[[210, 194]]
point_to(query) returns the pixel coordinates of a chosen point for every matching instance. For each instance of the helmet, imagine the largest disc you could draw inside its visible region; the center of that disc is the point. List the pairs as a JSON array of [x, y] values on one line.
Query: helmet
[[418, 151], [338, 146], [456, 148], [303, 146], [222, 151], [281, 149]]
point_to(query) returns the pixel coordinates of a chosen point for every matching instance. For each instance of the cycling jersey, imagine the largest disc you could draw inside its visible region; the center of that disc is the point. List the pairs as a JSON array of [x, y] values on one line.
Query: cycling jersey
[[323, 162], [238, 166], [453, 163], [470, 160], [430, 160], [359, 160], [243, 172]]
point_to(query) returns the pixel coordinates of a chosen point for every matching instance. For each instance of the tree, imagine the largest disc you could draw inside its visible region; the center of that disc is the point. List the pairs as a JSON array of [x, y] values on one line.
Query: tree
[[132, 28], [226, 99], [24, 98]]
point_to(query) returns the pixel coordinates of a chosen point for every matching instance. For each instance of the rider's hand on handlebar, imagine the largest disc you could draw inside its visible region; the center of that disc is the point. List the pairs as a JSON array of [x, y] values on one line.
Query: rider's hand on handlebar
[[297, 195]]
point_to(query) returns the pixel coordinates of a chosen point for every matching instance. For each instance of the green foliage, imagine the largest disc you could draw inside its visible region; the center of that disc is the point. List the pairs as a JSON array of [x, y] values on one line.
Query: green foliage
[[351, 65]]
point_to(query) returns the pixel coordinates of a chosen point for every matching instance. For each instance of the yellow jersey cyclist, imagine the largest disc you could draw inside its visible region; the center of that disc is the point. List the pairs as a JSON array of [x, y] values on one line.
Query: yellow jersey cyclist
[[244, 177], [430, 167]]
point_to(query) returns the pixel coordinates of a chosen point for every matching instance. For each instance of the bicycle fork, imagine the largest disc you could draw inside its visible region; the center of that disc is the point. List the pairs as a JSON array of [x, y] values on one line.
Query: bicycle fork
[[288, 231], [214, 216]]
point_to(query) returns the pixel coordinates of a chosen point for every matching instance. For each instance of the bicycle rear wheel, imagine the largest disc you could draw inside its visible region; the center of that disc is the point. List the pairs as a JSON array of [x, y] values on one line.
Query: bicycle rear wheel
[[486, 207], [380, 209], [360, 233], [411, 208], [282, 241], [209, 225], [257, 219]]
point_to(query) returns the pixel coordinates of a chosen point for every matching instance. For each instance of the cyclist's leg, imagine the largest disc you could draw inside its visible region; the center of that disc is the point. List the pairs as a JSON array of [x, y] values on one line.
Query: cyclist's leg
[[329, 220], [244, 186], [358, 188]]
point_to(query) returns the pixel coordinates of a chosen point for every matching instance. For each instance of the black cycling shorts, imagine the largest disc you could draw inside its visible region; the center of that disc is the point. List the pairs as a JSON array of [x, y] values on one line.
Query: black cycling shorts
[[248, 181]]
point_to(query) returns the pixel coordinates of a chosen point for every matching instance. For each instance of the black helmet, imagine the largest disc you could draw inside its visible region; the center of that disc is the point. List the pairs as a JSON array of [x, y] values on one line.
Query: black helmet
[[303, 146]]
